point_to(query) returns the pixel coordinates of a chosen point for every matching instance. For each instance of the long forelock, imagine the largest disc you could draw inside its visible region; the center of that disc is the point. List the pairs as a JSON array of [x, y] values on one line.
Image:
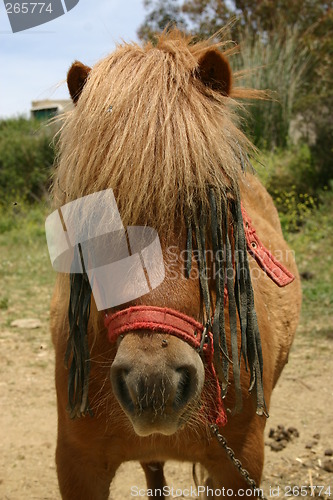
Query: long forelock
[[147, 127]]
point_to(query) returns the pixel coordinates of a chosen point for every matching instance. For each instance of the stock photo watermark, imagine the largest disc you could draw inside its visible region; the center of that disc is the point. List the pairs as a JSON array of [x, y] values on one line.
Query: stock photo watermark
[[215, 263], [24, 15], [87, 235], [195, 491]]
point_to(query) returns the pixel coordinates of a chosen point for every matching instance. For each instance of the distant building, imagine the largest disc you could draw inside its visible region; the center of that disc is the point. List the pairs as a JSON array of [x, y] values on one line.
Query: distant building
[[44, 110]]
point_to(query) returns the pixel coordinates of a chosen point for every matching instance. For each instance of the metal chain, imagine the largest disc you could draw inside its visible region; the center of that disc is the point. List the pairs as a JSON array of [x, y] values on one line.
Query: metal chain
[[237, 463]]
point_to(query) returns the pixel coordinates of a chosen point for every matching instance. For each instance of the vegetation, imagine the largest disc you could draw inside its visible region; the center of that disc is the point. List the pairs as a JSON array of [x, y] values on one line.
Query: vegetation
[[279, 66], [26, 158], [313, 245], [26, 274], [285, 47], [205, 17]]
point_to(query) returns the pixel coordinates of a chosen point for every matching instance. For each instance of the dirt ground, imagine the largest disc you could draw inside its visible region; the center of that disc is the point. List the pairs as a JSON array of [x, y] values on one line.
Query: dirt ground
[[303, 400]]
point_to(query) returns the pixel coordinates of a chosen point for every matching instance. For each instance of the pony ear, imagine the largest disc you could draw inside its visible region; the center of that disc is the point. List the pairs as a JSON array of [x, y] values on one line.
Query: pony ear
[[214, 71], [76, 79]]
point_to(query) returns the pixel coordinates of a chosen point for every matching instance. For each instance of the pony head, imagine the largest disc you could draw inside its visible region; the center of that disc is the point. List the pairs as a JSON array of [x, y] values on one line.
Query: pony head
[[156, 124]]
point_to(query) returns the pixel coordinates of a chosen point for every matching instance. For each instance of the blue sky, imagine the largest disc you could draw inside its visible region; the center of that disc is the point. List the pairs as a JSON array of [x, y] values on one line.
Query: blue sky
[[34, 62]]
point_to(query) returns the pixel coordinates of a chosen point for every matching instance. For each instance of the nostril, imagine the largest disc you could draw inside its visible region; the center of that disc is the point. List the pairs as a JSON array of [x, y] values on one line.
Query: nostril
[[120, 388], [184, 388]]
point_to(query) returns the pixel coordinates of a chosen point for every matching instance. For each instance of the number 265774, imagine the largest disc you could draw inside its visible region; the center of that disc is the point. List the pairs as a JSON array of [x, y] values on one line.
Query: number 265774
[[28, 8]]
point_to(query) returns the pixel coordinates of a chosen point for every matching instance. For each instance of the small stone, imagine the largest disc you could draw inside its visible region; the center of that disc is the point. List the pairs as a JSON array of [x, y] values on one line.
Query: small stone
[[28, 323], [285, 435], [327, 465], [316, 436], [310, 444], [277, 446], [293, 431], [328, 452]]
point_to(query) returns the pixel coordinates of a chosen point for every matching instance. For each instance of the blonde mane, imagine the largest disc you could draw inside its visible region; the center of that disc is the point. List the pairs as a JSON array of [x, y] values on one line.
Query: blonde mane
[[147, 127]]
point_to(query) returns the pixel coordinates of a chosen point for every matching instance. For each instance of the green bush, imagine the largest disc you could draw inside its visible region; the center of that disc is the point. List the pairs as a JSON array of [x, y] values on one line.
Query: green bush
[[276, 64], [289, 169], [290, 177], [26, 158], [294, 209]]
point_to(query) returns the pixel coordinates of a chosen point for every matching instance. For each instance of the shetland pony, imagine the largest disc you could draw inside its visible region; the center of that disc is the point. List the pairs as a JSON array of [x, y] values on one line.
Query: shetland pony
[[157, 125]]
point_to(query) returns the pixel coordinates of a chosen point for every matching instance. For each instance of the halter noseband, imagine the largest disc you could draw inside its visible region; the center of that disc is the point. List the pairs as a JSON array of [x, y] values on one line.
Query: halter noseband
[[165, 320]]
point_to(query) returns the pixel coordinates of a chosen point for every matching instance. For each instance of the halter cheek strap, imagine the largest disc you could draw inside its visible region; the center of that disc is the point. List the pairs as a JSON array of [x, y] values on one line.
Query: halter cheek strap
[[165, 320], [266, 260]]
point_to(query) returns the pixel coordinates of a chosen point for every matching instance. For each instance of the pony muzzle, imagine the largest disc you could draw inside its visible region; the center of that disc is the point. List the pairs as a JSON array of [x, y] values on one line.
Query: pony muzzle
[[159, 386]]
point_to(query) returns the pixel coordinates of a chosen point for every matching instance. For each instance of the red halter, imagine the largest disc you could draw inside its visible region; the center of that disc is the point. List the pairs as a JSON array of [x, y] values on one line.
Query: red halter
[[266, 260], [165, 320]]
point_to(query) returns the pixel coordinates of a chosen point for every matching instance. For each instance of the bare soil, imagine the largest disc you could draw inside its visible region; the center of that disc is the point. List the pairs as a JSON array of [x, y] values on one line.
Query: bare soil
[[303, 400]]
